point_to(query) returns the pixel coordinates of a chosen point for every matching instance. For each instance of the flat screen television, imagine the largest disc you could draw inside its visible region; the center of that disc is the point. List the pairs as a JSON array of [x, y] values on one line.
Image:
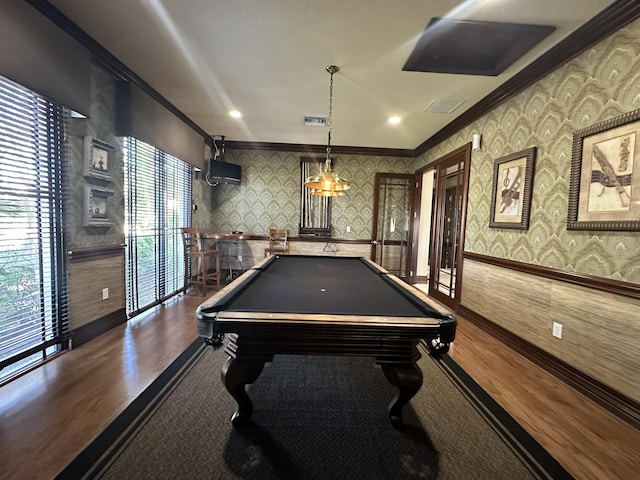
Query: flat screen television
[[224, 172]]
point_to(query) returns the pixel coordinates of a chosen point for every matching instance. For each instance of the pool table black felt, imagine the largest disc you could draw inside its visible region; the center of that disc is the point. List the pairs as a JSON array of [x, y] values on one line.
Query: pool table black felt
[[327, 285]]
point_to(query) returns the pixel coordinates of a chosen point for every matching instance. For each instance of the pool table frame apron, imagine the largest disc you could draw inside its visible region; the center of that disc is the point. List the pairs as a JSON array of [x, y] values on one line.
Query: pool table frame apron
[[255, 341]]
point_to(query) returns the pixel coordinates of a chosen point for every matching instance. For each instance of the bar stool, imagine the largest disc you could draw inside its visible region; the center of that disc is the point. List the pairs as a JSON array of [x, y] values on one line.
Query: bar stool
[[277, 241], [197, 275]]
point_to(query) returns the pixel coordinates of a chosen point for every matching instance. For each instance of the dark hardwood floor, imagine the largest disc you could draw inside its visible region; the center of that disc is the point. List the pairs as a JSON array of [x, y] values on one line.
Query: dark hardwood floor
[[50, 414]]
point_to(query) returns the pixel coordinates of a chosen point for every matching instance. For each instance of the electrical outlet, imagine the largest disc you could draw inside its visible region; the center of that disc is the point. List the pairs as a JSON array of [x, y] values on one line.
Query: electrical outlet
[[105, 293], [348, 228], [557, 330]]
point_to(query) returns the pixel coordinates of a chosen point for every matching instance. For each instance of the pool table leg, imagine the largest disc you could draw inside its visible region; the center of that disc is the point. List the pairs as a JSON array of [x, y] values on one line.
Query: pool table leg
[[408, 378], [236, 374]]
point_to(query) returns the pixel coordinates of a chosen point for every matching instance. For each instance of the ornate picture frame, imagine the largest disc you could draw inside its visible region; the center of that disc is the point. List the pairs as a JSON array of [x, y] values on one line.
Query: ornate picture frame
[[98, 208], [511, 192], [604, 189], [99, 159]]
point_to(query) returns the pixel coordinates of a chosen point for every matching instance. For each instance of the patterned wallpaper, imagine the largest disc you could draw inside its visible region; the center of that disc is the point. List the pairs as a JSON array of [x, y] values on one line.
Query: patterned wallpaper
[[601, 83], [269, 193], [101, 125]]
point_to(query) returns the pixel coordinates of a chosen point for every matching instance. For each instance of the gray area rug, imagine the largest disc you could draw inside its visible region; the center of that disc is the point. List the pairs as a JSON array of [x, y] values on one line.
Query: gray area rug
[[314, 418]]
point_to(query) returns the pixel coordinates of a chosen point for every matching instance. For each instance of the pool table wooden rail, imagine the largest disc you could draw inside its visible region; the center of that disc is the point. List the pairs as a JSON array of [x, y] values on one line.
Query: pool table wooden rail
[[292, 319]]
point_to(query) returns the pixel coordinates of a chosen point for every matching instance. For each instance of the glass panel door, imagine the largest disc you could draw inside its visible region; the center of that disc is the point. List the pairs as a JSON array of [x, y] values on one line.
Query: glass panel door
[[447, 240], [392, 222], [445, 276]]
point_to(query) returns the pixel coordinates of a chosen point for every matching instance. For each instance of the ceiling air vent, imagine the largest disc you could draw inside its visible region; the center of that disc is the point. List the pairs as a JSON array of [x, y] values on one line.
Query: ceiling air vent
[[443, 106], [315, 120]]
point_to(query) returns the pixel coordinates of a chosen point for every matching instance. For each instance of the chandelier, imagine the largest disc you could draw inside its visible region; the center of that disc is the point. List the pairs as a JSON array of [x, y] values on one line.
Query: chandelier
[[327, 183]]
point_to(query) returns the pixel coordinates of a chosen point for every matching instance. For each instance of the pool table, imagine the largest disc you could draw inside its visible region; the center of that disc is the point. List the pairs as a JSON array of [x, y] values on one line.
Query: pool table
[[322, 305]]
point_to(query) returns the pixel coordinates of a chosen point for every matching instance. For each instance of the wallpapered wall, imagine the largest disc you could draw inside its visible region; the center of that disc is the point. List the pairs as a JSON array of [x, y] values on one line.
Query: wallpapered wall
[[269, 195], [100, 125], [601, 83]]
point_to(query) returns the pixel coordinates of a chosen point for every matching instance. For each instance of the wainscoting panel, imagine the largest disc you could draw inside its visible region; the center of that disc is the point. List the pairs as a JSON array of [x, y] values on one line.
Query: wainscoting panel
[[331, 248], [600, 330], [88, 275], [299, 246]]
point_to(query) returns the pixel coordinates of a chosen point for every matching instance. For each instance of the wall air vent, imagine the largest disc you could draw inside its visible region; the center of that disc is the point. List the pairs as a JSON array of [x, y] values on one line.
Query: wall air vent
[[315, 120], [443, 106]]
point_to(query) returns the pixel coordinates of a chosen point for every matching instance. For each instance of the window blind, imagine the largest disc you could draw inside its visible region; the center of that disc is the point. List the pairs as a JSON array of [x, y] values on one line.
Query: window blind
[[33, 287], [158, 192]]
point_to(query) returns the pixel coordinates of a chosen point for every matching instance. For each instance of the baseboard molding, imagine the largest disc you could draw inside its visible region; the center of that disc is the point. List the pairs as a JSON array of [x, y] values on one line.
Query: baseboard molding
[[91, 330], [620, 405]]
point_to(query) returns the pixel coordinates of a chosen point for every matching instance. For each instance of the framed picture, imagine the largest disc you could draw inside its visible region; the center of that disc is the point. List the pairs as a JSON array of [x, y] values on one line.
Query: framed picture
[[97, 207], [99, 159], [511, 192], [604, 188]]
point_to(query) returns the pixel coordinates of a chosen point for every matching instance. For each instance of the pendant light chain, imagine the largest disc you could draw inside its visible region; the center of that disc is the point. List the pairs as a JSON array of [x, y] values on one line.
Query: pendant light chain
[[327, 183], [331, 69]]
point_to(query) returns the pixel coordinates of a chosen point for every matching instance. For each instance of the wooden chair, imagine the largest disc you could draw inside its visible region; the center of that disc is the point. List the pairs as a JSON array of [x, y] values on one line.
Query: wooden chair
[[277, 241], [196, 261]]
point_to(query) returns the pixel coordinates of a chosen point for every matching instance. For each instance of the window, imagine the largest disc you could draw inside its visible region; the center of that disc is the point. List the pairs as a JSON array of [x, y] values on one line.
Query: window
[[158, 204], [315, 211], [33, 287]]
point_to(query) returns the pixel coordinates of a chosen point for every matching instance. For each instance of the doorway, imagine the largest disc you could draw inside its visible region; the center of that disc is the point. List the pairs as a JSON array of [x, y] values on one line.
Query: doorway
[[446, 238], [393, 222]]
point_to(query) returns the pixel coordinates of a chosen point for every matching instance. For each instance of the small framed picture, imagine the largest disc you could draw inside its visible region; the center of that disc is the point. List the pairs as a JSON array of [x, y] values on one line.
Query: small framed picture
[[511, 193], [97, 207], [604, 188], [99, 159]]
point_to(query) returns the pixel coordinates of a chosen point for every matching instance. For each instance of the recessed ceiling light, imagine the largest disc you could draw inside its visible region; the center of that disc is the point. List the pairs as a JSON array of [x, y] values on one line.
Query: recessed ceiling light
[[394, 120], [235, 113]]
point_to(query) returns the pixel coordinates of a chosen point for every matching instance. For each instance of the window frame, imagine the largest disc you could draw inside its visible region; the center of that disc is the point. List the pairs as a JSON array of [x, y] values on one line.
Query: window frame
[[33, 191], [153, 180]]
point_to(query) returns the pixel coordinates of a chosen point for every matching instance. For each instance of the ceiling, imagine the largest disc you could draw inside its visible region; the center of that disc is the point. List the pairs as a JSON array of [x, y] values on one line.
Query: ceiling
[[267, 59]]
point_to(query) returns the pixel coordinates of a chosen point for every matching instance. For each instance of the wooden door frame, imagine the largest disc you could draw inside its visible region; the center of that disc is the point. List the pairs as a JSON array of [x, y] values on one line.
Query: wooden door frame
[[461, 154]]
